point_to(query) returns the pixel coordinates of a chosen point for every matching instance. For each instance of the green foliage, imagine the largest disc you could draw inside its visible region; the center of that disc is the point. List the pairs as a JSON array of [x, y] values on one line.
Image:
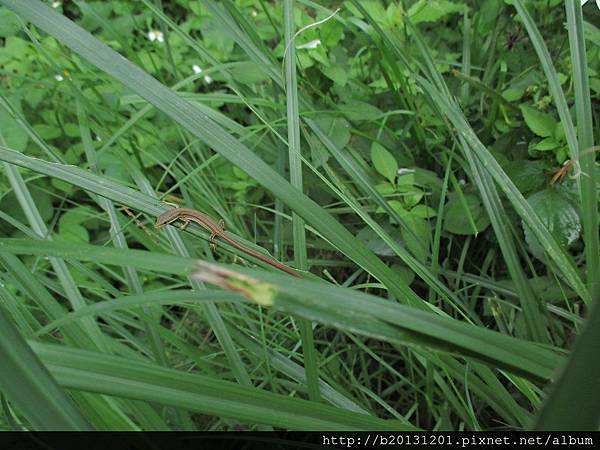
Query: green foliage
[[560, 216], [540, 123], [465, 215], [432, 11], [384, 162]]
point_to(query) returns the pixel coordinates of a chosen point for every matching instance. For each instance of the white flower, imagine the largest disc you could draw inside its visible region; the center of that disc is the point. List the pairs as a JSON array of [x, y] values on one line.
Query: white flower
[[253, 13], [583, 2], [197, 69], [309, 45], [155, 35], [58, 77], [55, 4]]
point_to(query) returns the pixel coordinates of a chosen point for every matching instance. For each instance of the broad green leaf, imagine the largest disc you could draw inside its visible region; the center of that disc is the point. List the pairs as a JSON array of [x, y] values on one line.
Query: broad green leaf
[[336, 128], [527, 175], [546, 144], [385, 188], [375, 243], [432, 10], [513, 94], [558, 214], [73, 232], [42, 199], [456, 218], [47, 132], [360, 111], [540, 123], [591, 33], [384, 161], [373, 7], [407, 275], [336, 73], [423, 211], [77, 215], [411, 195], [417, 241], [488, 13], [595, 85]]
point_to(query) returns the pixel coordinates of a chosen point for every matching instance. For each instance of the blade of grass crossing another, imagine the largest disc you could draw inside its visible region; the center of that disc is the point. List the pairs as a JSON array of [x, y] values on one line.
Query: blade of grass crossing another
[[532, 313], [212, 312], [585, 134], [299, 233], [437, 90], [345, 305], [27, 383], [546, 239], [200, 125], [118, 376]]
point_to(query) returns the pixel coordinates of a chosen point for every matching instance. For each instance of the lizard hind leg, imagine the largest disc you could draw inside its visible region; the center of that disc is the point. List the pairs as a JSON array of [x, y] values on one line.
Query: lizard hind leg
[[213, 243], [213, 235]]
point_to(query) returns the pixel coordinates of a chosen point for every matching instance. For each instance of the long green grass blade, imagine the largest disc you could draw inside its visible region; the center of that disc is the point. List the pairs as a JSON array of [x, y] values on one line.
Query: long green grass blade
[[585, 134], [111, 375], [572, 404], [294, 150], [25, 381]]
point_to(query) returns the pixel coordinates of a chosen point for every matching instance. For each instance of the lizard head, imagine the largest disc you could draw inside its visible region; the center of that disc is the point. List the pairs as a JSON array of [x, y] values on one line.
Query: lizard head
[[166, 218]]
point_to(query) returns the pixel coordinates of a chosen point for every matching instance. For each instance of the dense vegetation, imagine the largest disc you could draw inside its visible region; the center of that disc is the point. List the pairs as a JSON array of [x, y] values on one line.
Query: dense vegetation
[[429, 166]]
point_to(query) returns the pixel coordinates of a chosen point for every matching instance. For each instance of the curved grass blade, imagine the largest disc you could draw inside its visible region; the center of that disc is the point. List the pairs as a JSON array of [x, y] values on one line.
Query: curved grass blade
[[175, 297], [340, 307], [25, 381], [117, 376], [573, 402]]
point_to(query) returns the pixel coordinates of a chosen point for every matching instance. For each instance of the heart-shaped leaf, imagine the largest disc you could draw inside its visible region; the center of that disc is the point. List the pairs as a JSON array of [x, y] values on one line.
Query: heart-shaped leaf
[[540, 123], [384, 162], [558, 214]]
